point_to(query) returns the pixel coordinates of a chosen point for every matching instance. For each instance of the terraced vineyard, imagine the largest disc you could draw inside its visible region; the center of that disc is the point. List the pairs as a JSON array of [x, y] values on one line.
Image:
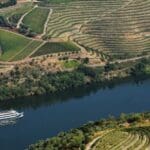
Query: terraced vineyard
[[133, 138], [80, 42], [66, 18], [118, 29], [114, 29]]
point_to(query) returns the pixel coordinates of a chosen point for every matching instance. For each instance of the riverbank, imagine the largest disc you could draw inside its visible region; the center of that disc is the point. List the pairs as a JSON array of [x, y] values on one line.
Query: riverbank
[[70, 109], [87, 136], [30, 80]]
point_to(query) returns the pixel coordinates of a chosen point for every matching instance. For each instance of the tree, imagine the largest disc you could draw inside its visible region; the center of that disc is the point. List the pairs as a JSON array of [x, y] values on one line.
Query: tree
[[86, 60], [108, 67], [3, 22]]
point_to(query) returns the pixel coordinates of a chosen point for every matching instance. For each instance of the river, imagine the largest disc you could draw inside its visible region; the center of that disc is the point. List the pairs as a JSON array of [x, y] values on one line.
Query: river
[[45, 116]]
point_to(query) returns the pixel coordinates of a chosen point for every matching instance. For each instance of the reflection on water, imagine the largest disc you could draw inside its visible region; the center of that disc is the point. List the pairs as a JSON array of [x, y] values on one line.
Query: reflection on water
[[45, 100], [7, 122]]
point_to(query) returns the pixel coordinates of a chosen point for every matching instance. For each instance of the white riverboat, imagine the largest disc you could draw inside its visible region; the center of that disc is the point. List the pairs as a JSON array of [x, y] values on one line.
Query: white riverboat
[[10, 114]]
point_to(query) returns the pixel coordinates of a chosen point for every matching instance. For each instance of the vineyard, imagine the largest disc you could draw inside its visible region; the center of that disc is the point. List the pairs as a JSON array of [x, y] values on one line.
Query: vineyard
[[132, 138], [15, 46], [110, 29], [27, 50], [48, 46], [55, 47], [11, 44], [117, 29], [129, 132]]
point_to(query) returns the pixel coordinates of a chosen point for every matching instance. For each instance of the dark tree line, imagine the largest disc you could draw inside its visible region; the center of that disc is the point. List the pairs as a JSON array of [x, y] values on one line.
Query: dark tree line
[[3, 22], [8, 3]]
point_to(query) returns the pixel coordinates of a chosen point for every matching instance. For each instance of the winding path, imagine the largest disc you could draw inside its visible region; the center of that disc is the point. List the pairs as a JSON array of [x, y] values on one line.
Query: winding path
[[22, 17], [90, 144], [46, 23]]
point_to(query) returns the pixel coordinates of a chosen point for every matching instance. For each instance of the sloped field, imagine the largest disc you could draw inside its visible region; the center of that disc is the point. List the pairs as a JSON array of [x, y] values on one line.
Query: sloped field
[[69, 17], [119, 29], [11, 44], [124, 33], [133, 138], [15, 46], [129, 132], [36, 19], [27, 50], [55, 47]]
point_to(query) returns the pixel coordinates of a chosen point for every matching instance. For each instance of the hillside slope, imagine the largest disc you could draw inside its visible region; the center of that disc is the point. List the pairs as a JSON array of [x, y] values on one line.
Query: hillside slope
[[115, 29], [130, 131]]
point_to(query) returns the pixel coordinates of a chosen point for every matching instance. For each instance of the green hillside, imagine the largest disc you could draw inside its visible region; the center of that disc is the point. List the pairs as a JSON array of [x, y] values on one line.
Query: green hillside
[[15, 46], [36, 19], [11, 44], [130, 131]]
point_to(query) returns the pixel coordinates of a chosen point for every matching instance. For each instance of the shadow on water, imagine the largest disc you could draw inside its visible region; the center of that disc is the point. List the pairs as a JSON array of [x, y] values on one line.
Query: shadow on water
[[51, 99]]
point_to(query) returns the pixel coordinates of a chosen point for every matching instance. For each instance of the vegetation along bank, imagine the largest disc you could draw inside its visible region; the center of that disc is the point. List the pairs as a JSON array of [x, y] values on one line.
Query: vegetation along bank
[[130, 131], [35, 80]]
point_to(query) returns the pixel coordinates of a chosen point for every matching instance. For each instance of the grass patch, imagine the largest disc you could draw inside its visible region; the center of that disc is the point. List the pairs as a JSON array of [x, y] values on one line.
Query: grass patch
[[56, 47], [36, 19], [16, 47], [147, 69], [71, 64], [11, 44]]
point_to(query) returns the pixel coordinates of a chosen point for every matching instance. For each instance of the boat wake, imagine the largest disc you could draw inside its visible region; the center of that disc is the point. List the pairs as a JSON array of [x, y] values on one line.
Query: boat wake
[[7, 122]]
